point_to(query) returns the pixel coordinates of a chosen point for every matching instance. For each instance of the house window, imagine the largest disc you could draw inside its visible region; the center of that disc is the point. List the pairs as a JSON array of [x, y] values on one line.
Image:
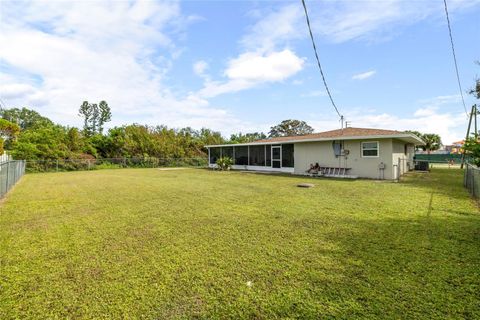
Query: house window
[[337, 148], [370, 149]]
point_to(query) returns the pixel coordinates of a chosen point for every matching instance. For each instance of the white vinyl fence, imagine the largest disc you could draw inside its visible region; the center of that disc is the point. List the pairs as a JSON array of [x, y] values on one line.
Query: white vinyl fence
[[5, 157]]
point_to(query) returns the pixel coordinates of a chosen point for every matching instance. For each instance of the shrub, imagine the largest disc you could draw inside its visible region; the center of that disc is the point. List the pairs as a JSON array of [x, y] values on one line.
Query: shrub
[[224, 163], [107, 165], [472, 148]]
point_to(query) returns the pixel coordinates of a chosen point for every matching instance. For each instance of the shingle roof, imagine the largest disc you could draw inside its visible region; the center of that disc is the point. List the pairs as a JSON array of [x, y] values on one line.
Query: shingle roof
[[339, 133], [345, 134]]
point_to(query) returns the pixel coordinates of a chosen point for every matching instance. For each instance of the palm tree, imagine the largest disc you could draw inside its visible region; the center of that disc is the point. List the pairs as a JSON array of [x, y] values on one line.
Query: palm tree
[[432, 142], [419, 135]]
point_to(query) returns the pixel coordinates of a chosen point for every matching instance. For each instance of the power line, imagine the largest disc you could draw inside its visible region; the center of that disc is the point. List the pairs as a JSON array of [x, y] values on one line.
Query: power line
[[318, 60], [2, 103], [454, 56]]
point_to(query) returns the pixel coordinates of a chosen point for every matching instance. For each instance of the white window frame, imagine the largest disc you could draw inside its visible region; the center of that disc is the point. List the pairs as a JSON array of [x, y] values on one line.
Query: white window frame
[[378, 149]]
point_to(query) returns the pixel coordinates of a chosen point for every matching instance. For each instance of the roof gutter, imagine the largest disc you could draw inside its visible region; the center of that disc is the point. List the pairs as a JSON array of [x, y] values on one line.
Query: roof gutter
[[406, 137]]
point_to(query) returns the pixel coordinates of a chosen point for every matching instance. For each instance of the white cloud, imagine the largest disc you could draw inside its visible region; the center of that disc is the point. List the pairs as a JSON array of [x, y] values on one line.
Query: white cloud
[[121, 53], [315, 93], [251, 69], [15, 90], [275, 27], [346, 20], [267, 57], [441, 101], [364, 75], [432, 116], [343, 20], [446, 124], [200, 67], [425, 112], [275, 66]]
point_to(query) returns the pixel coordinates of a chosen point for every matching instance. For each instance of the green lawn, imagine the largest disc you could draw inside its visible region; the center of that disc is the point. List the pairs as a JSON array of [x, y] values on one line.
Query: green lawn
[[146, 243]]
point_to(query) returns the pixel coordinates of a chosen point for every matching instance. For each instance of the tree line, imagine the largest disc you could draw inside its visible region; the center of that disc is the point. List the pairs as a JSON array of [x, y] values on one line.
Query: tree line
[[26, 134], [41, 139]]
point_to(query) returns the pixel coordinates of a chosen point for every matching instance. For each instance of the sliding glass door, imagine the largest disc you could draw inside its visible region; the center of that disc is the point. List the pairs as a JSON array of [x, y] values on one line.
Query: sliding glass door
[[276, 156]]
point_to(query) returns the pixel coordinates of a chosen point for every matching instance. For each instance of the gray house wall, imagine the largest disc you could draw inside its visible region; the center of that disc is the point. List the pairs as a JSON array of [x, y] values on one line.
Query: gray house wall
[[390, 151], [399, 158]]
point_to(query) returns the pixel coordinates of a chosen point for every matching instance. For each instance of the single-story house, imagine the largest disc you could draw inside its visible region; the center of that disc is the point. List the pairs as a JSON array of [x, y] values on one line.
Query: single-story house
[[349, 152]]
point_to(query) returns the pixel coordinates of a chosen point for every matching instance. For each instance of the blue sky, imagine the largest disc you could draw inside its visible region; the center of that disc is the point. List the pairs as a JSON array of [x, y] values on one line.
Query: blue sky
[[242, 65]]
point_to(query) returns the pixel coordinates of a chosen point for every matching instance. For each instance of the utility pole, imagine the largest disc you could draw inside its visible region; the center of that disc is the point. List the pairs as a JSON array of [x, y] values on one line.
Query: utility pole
[[473, 114], [476, 130]]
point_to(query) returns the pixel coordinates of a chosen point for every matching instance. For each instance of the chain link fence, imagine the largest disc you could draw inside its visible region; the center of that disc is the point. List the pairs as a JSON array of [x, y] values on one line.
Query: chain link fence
[[404, 165], [10, 173], [111, 163], [471, 180], [439, 158]]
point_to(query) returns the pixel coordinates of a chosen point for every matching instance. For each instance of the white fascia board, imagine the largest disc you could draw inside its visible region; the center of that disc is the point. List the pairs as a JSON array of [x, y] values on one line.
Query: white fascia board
[[405, 137]]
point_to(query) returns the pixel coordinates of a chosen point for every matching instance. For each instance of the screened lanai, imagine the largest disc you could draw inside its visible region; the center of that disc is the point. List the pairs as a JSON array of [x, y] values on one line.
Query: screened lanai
[[274, 156]]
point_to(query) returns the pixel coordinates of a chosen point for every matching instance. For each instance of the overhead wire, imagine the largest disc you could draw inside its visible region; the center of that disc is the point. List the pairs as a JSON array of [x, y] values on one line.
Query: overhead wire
[[455, 57], [318, 60], [2, 104]]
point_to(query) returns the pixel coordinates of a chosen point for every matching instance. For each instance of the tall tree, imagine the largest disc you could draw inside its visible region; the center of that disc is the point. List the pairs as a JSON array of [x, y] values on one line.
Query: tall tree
[[472, 149], [208, 136], [25, 118], [42, 143], [74, 140], [8, 132], [105, 115], [432, 142], [418, 134], [86, 112], [56, 141], [472, 144], [247, 137], [414, 132], [94, 117], [290, 128]]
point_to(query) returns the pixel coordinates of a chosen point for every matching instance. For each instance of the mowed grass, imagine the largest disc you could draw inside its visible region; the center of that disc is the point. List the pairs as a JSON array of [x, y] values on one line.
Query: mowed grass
[[152, 244]]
